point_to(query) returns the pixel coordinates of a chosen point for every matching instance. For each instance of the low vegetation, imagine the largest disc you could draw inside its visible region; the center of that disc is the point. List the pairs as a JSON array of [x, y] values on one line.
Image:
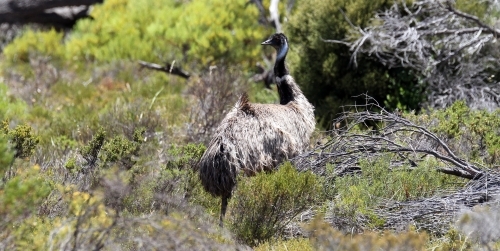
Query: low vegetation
[[97, 153]]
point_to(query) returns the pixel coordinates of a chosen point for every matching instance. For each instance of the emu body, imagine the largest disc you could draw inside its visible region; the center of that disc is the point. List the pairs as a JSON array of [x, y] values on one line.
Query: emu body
[[257, 137]]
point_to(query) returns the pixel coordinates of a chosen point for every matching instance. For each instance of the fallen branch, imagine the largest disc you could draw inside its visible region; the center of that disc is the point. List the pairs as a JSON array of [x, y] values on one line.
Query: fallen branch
[[59, 13], [453, 52], [394, 134], [168, 68], [385, 133]]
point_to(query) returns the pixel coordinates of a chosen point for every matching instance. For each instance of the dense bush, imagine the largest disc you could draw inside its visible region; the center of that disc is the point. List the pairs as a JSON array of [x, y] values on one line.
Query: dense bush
[[11, 109], [6, 155], [113, 162], [471, 133], [204, 32], [354, 197], [325, 71], [22, 139], [263, 205]]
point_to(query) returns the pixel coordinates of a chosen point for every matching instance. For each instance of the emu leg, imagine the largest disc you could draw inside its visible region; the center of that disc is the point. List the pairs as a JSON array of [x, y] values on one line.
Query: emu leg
[[223, 208]]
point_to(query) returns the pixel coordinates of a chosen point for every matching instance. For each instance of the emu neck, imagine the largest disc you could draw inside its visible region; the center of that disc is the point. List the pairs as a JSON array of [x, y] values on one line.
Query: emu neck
[[285, 91], [287, 88], [280, 69]]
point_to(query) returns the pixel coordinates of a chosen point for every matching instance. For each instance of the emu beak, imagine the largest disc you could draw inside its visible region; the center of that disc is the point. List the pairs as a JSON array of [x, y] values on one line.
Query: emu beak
[[267, 42]]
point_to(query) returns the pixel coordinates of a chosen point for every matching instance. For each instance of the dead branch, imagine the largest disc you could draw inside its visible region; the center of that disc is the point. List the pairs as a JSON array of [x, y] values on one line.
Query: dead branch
[[437, 214], [408, 143], [275, 15], [386, 133], [264, 75], [168, 68], [60, 13], [452, 51], [214, 93]]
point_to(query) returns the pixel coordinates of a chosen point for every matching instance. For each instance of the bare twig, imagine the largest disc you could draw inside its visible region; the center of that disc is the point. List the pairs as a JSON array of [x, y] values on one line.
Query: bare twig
[[452, 51], [168, 68], [395, 134], [275, 15], [406, 143]]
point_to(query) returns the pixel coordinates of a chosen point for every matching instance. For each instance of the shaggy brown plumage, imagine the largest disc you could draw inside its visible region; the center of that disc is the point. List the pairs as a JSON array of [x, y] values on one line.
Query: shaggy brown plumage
[[257, 137]]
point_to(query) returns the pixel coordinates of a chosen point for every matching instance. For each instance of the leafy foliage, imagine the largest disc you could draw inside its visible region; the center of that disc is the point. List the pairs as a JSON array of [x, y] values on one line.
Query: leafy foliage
[[92, 106], [356, 196], [473, 133], [22, 139], [21, 195], [185, 157], [325, 70], [41, 43], [11, 109], [121, 149], [91, 151], [264, 204], [6, 155], [205, 32]]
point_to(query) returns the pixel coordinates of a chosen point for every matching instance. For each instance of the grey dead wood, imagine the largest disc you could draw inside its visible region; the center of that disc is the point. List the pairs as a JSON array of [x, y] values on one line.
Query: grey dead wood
[[408, 143], [59, 13], [454, 53]]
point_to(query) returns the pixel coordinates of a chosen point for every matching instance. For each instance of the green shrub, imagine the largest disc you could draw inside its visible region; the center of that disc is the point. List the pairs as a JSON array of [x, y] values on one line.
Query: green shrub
[[22, 139], [71, 164], [357, 195], [6, 155], [22, 194], [206, 32], [263, 205], [120, 149], [302, 244], [181, 176], [11, 108], [185, 157], [472, 134], [91, 151], [44, 43], [324, 69]]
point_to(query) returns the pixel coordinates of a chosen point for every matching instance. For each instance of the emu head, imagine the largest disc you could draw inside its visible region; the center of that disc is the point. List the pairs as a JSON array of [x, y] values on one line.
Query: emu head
[[280, 43]]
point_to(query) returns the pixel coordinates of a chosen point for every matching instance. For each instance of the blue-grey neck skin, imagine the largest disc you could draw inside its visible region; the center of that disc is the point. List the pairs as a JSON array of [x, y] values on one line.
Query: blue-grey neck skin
[[284, 88], [280, 69]]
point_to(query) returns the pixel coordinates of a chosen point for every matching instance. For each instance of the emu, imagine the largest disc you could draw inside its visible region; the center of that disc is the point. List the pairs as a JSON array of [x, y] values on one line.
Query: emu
[[257, 137]]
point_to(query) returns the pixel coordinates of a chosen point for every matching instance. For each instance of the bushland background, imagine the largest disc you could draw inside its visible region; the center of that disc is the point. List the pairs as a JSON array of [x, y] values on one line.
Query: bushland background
[[98, 151]]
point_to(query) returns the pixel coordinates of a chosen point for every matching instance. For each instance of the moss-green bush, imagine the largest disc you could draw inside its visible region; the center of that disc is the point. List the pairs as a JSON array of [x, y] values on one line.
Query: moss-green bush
[[11, 109], [122, 150], [182, 168], [22, 139], [22, 194], [6, 155], [357, 195], [263, 205], [90, 152], [325, 71], [473, 134], [185, 157], [302, 244], [204, 32], [31, 43]]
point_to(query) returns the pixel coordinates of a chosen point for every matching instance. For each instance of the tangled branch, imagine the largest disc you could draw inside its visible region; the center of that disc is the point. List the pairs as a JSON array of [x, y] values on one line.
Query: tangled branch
[[437, 213], [383, 132], [387, 133], [454, 52]]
